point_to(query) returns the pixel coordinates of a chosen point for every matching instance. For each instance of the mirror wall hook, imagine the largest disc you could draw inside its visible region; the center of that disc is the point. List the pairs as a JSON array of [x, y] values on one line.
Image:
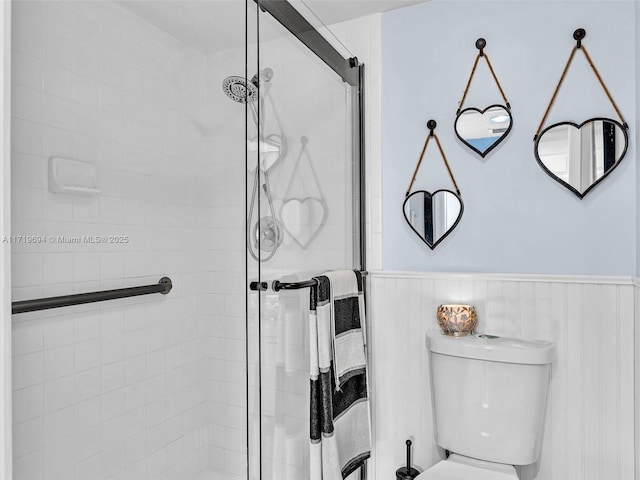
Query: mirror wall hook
[[431, 125], [480, 44], [578, 36]]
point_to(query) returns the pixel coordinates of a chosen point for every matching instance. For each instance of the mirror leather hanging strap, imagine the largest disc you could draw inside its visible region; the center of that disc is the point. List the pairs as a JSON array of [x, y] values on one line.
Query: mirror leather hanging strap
[[431, 125], [578, 36], [480, 44]]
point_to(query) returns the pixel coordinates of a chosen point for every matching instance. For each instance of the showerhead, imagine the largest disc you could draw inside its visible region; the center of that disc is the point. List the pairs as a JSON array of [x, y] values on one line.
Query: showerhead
[[239, 90]]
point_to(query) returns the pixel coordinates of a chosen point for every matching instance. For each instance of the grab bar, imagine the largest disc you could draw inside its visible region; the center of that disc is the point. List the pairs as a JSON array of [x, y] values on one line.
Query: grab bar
[[164, 286]]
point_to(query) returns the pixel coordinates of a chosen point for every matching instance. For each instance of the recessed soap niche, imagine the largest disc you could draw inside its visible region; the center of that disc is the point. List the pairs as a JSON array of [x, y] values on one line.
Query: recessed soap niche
[[73, 177]]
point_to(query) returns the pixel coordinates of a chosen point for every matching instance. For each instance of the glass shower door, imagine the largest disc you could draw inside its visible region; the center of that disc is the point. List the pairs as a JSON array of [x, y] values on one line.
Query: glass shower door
[[303, 218]]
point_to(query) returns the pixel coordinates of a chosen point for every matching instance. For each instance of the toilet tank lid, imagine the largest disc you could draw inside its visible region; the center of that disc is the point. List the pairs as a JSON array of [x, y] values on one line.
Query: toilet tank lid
[[493, 348]]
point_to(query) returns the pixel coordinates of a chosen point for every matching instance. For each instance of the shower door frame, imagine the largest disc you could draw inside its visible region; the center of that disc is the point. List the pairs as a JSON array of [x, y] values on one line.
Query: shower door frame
[[352, 72], [5, 255]]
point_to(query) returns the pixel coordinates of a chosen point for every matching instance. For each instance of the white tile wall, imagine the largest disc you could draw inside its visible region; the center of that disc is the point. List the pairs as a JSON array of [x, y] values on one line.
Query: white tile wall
[[225, 383], [588, 432], [362, 37], [113, 390]]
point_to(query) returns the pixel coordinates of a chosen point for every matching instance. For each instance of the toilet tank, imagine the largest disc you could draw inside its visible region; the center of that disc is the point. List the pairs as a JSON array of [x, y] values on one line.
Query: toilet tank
[[490, 395]]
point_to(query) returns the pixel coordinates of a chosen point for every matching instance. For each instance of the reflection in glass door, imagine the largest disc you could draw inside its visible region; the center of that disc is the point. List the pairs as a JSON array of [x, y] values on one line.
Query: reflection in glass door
[[303, 191]]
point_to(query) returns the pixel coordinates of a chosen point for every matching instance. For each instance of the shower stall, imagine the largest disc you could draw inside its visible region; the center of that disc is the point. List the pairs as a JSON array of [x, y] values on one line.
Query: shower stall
[[180, 171]]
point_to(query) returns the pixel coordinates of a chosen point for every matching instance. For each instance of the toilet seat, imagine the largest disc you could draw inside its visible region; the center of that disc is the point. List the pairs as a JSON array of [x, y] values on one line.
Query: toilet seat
[[458, 467]]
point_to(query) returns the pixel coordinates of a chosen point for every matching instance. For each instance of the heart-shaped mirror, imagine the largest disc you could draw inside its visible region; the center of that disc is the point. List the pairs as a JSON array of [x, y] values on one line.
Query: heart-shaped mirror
[[580, 156], [483, 130], [432, 216], [303, 218]]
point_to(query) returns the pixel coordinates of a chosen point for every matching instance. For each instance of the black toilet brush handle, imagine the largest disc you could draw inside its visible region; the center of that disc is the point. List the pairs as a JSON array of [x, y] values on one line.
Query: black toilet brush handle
[[407, 473]]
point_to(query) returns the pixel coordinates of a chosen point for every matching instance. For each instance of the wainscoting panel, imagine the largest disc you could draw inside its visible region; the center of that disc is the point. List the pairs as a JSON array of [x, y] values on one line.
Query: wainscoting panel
[[589, 431], [637, 368]]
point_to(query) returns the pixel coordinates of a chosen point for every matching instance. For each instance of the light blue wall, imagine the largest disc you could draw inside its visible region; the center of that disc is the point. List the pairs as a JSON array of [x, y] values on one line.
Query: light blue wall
[[516, 219]]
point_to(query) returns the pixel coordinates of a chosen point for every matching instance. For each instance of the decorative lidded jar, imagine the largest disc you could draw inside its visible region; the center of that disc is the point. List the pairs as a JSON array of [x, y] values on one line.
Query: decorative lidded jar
[[457, 320]]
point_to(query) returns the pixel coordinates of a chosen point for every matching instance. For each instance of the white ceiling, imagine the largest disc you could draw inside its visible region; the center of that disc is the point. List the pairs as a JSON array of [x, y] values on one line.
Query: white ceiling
[[334, 11], [216, 25]]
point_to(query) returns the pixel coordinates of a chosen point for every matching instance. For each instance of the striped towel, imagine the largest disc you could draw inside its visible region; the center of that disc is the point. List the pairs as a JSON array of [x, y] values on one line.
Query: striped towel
[[340, 419]]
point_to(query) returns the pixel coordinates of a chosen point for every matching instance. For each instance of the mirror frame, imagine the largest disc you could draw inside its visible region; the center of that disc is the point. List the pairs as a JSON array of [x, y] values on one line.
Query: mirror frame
[[451, 229], [500, 138], [578, 126]]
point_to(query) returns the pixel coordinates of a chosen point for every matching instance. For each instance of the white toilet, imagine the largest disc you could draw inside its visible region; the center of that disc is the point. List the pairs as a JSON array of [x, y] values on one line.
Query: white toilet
[[490, 398]]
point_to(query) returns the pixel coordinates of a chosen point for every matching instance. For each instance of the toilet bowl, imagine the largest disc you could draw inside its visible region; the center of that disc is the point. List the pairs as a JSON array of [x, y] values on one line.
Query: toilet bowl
[[489, 404], [459, 467]]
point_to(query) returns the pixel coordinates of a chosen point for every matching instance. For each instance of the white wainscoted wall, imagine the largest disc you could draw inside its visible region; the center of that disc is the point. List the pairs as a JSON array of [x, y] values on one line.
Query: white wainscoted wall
[[589, 432]]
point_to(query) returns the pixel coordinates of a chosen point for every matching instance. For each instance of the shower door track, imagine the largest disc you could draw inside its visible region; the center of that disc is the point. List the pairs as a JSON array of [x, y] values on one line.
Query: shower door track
[[303, 30]]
